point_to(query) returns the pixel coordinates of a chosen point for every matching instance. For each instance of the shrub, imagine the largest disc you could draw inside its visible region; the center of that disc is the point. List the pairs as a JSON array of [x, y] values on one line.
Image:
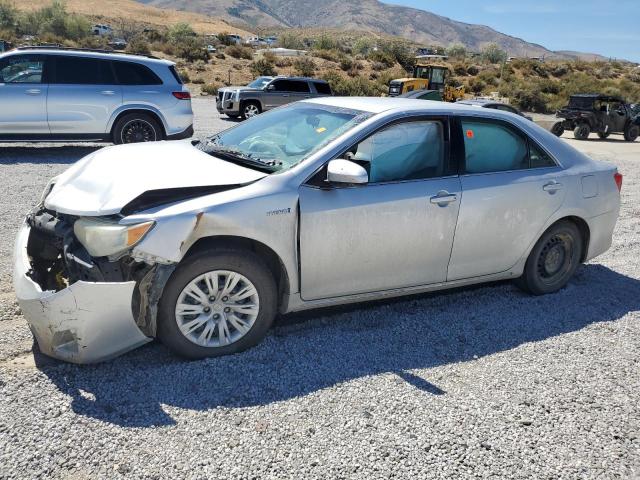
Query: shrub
[[305, 67], [331, 55], [384, 58], [290, 40], [54, 20], [357, 86], [457, 51], [180, 32], [477, 86], [492, 53], [236, 51], [220, 56], [8, 15], [263, 67], [325, 42], [490, 77], [460, 69], [184, 75], [473, 70], [363, 46], [198, 81], [346, 63], [210, 89], [138, 46], [283, 62], [192, 49]]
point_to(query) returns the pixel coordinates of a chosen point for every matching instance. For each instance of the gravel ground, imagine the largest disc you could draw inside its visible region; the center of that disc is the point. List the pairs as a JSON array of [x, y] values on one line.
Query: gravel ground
[[475, 383]]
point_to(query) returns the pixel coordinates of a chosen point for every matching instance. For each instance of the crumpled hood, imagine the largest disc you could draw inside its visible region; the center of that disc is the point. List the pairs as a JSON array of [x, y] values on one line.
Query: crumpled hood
[[108, 179]]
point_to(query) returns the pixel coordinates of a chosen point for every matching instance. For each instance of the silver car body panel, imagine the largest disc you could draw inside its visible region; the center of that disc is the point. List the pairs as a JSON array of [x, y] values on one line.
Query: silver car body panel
[[354, 243]]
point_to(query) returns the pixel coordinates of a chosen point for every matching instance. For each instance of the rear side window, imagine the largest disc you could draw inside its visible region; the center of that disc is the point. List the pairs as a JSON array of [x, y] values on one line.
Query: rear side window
[[83, 71], [496, 147], [128, 73], [291, 86], [175, 74], [322, 88]]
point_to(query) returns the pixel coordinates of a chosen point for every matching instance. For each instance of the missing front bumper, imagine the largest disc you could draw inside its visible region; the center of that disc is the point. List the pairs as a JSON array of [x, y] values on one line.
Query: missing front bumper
[[87, 322]]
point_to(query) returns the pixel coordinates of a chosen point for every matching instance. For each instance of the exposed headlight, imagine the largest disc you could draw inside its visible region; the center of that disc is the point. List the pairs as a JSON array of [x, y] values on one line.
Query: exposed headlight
[[103, 238]]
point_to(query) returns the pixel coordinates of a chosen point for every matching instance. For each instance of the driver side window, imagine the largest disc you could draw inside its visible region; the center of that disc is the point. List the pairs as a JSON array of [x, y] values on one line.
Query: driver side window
[[21, 69], [405, 151]]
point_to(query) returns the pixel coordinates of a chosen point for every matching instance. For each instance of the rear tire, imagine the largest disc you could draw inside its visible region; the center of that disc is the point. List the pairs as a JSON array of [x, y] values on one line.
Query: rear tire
[[250, 109], [218, 324], [557, 129], [137, 128], [582, 131], [553, 260], [631, 133]]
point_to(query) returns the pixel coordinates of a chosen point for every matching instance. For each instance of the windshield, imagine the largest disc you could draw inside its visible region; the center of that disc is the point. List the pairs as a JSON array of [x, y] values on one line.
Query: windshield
[[260, 82], [279, 139]]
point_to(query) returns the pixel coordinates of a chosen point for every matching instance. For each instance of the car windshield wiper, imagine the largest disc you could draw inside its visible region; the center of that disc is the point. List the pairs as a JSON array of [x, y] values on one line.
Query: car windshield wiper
[[237, 156]]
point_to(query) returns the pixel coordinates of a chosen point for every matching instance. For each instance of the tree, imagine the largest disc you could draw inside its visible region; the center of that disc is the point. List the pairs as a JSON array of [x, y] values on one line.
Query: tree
[[492, 53], [457, 51]]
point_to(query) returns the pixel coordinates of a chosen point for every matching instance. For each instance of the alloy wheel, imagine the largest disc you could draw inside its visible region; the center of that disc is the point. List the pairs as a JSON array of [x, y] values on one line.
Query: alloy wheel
[[217, 308], [251, 110], [137, 131]]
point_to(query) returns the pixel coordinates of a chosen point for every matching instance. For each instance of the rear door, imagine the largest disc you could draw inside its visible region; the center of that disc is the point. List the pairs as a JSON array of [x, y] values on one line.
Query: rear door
[[510, 188], [300, 90], [141, 86], [23, 95], [83, 96]]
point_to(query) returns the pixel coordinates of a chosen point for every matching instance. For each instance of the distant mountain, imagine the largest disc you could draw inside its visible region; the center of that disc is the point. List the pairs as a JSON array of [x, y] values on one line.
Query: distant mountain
[[369, 15]]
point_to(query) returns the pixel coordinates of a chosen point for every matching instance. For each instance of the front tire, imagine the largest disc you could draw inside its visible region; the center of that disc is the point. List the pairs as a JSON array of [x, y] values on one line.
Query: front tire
[[250, 110], [582, 131], [557, 129], [218, 302], [553, 260], [631, 133], [137, 128]]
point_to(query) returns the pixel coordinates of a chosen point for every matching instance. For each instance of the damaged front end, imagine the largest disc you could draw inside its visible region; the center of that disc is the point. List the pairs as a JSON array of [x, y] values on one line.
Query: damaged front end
[[81, 308]]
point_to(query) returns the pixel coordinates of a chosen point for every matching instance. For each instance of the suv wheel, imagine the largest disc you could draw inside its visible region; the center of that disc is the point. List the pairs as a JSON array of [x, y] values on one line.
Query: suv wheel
[[631, 133], [553, 260], [218, 302], [136, 128], [557, 129], [582, 131], [250, 109]]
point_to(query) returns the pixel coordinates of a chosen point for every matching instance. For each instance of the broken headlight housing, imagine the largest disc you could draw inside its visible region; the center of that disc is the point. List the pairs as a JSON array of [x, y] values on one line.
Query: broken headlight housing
[[104, 238]]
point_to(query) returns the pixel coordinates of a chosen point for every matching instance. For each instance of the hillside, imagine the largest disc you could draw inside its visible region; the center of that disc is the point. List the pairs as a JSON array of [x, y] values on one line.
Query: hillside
[[129, 10], [369, 15]]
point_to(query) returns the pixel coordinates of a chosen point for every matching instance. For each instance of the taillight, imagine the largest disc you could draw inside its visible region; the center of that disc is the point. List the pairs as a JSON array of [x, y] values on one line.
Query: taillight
[[182, 95], [618, 178]]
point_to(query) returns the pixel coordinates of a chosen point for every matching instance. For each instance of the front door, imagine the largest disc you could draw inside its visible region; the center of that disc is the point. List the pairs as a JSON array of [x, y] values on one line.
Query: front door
[[394, 232], [83, 96], [508, 194], [278, 93], [23, 96]]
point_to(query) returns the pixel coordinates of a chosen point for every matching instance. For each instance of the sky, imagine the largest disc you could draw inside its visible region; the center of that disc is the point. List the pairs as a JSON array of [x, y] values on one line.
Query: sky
[[608, 27]]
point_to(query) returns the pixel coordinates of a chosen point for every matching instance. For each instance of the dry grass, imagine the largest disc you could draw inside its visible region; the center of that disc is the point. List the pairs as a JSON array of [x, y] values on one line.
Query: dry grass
[[129, 10]]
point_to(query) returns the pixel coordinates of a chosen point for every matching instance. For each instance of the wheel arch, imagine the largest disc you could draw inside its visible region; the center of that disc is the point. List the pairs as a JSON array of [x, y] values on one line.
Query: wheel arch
[[147, 111], [271, 258], [244, 101], [583, 228]]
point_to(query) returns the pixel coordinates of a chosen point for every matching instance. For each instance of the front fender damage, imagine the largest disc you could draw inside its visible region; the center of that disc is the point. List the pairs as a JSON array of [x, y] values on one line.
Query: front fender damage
[[147, 297]]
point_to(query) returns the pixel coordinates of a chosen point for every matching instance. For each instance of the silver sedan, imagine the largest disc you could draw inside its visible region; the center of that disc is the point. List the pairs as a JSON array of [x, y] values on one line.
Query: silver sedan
[[322, 202]]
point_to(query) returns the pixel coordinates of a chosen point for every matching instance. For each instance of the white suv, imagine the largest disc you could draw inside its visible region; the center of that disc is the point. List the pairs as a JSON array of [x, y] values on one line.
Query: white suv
[[54, 94]]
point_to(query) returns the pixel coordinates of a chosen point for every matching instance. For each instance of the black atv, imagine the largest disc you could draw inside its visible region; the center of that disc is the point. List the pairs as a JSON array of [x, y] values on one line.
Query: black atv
[[602, 114]]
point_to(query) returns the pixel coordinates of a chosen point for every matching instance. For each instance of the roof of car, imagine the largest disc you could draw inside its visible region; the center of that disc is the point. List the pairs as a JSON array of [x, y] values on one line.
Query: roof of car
[[597, 96], [88, 53], [383, 104]]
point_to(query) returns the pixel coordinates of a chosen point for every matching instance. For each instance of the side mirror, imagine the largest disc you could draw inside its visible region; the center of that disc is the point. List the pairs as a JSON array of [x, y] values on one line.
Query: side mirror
[[346, 171], [271, 87]]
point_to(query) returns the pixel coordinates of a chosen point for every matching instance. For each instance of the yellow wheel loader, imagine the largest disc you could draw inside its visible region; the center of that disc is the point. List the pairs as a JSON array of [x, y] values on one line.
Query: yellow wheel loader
[[427, 77]]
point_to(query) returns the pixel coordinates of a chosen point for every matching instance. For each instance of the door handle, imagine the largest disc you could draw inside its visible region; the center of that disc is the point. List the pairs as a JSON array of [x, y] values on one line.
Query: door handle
[[108, 92], [443, 198], [552, 187], [33, 91]]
